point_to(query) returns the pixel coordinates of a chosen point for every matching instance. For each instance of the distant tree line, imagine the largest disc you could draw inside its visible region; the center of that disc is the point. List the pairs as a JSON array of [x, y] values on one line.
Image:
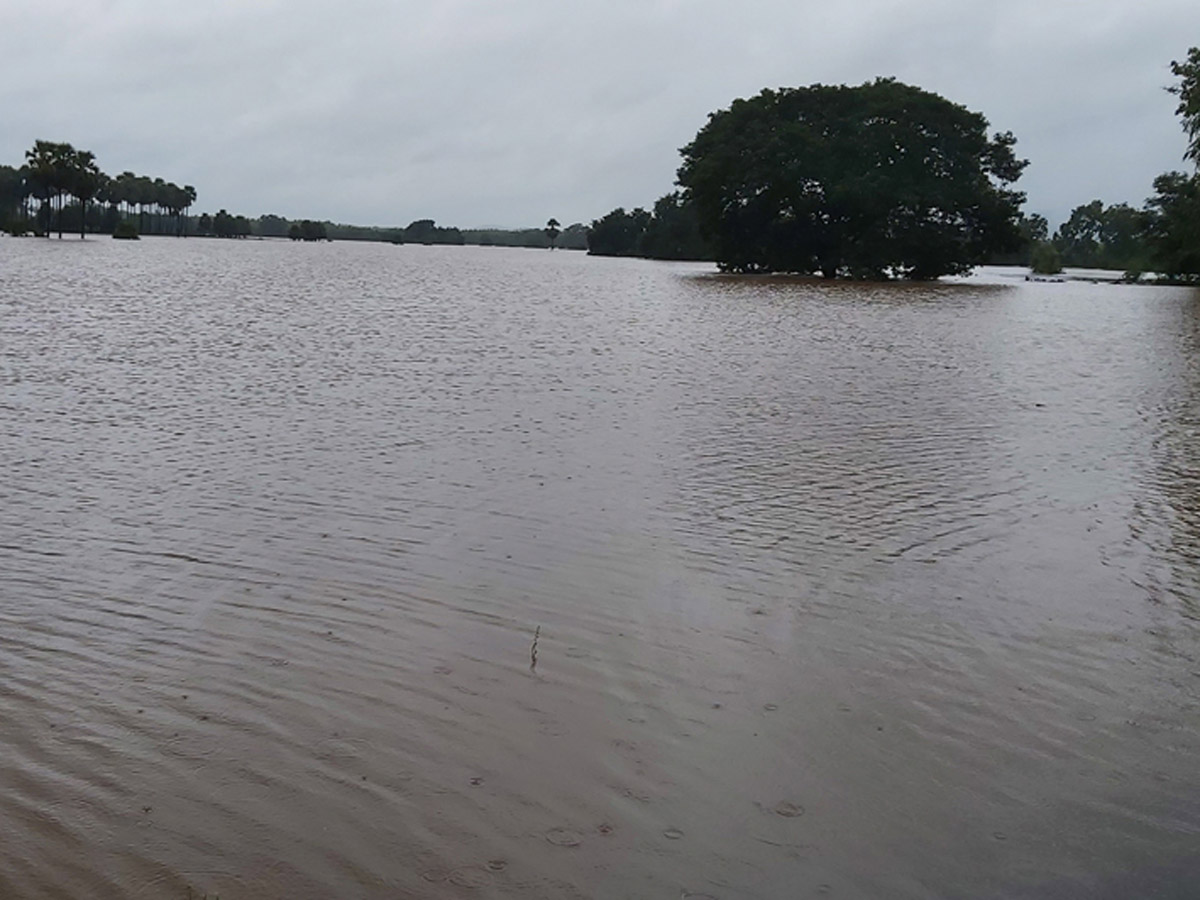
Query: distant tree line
[[1093, 237], [573, 237], [60, 188]]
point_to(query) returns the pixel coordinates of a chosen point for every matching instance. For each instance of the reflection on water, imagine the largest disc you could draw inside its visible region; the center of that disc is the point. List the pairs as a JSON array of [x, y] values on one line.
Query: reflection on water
[[1177, 456], [838, 589]]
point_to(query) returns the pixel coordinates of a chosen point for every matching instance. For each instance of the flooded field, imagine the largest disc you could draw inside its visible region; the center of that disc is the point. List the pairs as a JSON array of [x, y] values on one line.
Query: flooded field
[[838, 590]]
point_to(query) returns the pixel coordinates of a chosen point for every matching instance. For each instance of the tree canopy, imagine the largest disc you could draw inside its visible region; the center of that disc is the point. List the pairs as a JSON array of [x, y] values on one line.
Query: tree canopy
[[1096, 236], [671, 231], [1188, 91], [1172, 219], [883, 179]]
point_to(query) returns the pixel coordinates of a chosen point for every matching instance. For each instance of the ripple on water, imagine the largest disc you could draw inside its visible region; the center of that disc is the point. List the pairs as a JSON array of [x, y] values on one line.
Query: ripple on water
[[278, 523]]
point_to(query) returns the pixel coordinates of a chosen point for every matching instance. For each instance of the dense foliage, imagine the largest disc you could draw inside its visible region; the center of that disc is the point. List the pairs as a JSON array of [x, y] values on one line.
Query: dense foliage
[[1188, 92], [1100, 237], [618, 233], [879, 180], [1044, 259], [307, 230], [426, 231], [671, 231], [1172, 224], [33, 198]]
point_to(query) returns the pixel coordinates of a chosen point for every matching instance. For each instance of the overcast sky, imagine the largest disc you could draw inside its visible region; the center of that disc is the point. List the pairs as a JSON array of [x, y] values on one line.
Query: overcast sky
[[507, 112]]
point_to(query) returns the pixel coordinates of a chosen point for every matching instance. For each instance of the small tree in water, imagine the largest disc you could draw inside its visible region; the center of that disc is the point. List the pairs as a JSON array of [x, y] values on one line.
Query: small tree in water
[[1045, 259], [552, 231]]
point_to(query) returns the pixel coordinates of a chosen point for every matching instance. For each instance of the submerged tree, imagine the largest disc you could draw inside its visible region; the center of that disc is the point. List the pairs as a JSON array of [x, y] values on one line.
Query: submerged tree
[[1173, 227], [426, 231], [552, 231], [1106, 237], [619, 233], [671, 231], [55, 171], [84, 182], [1044, 259], [308, 230], [50, 169], [12, 193], [871, 181]]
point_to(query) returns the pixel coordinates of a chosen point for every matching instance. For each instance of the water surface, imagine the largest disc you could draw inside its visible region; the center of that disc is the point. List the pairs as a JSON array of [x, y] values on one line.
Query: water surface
[[846, 590]]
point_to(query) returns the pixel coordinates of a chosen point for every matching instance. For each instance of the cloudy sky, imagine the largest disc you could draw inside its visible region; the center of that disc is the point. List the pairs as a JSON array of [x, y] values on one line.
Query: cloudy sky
[[507, 112]]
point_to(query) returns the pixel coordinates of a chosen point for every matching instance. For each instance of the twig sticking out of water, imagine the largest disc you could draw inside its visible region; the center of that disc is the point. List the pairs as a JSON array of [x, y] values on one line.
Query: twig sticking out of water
[[533, 649]]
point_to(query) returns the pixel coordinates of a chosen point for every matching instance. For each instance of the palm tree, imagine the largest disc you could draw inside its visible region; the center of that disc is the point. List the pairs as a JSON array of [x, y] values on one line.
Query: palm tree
[[50, 166], [552, 231], [85, 180], [123, 192], [142, 196], [189, 194]]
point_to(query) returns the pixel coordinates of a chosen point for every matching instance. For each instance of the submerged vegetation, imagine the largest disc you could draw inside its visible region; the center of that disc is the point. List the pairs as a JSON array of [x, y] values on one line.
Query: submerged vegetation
[[1045, 259], [885, 180], [671, 231], [34, 197], [875, 181]]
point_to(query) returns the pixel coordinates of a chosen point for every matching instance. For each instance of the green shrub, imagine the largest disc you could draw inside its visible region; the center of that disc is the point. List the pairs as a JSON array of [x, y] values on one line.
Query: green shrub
[[125, 231], [1045, 259]]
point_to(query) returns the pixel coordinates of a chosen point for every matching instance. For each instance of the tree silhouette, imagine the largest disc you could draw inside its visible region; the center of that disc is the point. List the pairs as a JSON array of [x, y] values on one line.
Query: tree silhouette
[[552, 231], [1188, 92], [879, 180], [50, 168], [84, 182], [1173, 213]]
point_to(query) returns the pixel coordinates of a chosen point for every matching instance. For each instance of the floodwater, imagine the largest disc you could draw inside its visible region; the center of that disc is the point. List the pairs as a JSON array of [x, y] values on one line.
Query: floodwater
[[838, 590]]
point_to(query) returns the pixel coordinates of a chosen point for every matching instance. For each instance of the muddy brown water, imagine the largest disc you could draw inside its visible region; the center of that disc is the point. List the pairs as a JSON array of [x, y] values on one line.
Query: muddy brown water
[[843, 590]]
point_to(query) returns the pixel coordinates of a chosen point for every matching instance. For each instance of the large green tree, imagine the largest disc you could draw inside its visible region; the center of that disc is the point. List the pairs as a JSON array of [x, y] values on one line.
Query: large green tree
[[1173, 213], [883, 179], [1173, 226]]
